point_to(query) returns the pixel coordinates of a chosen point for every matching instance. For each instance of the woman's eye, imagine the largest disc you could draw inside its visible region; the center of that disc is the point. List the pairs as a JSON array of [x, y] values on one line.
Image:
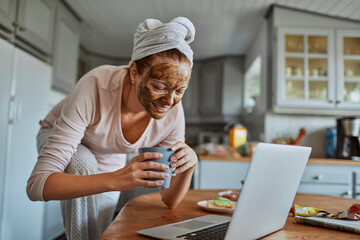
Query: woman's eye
[[158, 88], [180, 91]]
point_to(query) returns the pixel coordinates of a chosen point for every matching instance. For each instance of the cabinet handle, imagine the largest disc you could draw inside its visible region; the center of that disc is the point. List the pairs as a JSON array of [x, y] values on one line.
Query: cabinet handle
[[318, 177], [331, 101], [347, 194], [15, 24], [22, 28], [11, 110], [18, 109], [15, 109], [350, 194], [337, 101]]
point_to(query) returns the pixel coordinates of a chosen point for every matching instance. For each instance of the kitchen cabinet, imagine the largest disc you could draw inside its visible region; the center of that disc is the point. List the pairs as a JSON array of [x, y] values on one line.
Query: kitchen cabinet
[[25, 89], [6, 63], [220, 89], [318, 178], [332, 180], [29, 23], [66, 50], [306, 74], [7, 17], [220, 174], [315, 63], [307, 64]]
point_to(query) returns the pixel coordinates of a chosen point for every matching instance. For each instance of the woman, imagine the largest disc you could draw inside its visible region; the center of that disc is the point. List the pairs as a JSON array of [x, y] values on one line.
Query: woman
[[112, 111]]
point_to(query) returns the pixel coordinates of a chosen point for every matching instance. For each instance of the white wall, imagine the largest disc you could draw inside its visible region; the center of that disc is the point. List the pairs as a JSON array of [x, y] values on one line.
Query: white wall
[[254, 121]]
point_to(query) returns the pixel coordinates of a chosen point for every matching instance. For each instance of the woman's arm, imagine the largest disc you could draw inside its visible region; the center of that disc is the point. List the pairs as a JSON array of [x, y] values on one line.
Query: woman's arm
[[185, 160], [62, 186]]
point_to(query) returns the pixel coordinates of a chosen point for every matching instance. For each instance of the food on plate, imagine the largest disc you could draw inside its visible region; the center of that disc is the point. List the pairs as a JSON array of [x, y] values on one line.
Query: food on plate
[[220, 202]]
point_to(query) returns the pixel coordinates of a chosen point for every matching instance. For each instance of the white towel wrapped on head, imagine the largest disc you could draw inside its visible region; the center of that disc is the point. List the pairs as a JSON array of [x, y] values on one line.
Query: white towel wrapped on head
[[152, 36]]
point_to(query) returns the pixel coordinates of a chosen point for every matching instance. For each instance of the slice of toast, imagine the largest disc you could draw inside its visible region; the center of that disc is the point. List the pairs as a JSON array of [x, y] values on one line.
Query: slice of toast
[[211, 204]]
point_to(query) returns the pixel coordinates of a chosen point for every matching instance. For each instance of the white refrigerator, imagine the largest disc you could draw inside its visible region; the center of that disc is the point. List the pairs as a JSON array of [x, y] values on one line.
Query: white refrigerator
[[24, 95]]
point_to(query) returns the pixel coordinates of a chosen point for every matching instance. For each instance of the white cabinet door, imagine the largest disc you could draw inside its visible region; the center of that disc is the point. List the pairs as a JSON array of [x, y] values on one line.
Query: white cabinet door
[[7, 14], [36, 23], [221, 174], [326, 189], [23, 219], [66, 47], [6, 61], [53, 224], [7, 17], [348, 75]]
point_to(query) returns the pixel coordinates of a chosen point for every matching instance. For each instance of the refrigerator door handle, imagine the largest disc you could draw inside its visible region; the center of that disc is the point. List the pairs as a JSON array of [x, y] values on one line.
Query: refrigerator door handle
[[18, 108], [15, 109], [11, 109]]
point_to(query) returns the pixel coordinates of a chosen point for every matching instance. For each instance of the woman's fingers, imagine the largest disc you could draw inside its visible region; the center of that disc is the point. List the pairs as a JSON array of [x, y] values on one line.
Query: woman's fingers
[[149, 183], [183, 166], [147, 155], [140, 161], [183, 159], [178, 145], [153, 174], [151, 165]]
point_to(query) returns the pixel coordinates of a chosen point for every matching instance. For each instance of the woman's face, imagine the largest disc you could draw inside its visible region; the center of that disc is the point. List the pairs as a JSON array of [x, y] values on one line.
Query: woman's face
[[163, 86]]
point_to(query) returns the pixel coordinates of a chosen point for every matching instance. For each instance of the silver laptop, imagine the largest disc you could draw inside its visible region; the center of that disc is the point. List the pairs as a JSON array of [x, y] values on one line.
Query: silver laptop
[[263, 206]]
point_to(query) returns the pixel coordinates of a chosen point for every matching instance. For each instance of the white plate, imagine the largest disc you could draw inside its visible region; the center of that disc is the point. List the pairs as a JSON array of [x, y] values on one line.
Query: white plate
[[202, 204], [224, 193]]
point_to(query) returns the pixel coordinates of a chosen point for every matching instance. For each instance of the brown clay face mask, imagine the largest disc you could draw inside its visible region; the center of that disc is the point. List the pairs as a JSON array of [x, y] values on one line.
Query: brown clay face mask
[[163, 87]]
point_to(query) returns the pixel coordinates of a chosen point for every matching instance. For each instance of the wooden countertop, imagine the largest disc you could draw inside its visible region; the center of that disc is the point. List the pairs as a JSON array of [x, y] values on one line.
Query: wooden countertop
[[148, 211], [320, 161]]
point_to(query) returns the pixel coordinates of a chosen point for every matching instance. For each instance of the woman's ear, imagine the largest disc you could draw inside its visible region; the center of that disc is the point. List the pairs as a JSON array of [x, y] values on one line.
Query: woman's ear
[[133, 72]]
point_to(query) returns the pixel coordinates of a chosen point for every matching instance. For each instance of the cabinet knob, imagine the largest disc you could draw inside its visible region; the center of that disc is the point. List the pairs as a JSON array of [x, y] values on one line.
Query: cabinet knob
[[15, 24], [347, 194], [318, 177], [22, 28]]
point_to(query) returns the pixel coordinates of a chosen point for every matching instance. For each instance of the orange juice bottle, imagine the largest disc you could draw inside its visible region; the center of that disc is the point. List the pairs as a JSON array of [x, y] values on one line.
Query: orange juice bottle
[[237, 136]]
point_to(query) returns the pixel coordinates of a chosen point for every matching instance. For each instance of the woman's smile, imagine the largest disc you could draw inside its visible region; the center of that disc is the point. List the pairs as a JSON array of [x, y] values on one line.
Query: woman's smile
[[160, 108]]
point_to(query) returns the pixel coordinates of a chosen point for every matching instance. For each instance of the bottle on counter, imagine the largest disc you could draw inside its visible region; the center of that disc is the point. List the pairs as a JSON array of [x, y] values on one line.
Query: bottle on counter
[[330, 142], [237, 135]]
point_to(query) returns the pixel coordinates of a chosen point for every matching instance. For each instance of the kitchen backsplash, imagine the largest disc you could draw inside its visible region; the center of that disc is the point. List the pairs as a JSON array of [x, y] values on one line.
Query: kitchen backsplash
[[289, 125]]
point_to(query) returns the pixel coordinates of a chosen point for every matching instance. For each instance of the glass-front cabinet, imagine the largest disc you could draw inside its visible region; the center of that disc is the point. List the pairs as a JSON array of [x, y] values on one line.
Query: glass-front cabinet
[[306, 67], [318, 68], [348, 62]]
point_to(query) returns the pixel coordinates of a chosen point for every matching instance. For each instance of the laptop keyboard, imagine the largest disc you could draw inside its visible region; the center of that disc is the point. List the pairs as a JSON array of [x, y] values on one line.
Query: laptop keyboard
[[216, 232]]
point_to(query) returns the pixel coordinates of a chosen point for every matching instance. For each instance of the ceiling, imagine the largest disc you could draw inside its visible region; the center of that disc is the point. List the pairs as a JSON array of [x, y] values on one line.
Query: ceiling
[[223, 27]]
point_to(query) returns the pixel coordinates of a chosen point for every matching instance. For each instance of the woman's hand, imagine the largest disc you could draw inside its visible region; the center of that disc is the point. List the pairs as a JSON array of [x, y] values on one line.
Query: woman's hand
[[134, 173], [183, 159]]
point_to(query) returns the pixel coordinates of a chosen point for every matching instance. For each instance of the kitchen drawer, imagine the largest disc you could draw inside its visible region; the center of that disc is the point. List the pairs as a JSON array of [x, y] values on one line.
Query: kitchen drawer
[[329, 174], [326, 189]]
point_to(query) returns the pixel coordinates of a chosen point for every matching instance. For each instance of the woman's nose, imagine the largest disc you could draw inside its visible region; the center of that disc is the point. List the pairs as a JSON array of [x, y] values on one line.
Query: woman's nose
[[169, 98]]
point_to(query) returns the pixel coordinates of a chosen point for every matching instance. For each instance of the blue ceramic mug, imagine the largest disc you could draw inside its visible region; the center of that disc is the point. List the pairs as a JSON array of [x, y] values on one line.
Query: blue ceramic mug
[[166, 152]]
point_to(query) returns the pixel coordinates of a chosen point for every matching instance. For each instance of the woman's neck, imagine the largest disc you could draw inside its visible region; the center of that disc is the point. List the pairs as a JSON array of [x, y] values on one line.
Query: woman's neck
[[134, 118], [129, 97]]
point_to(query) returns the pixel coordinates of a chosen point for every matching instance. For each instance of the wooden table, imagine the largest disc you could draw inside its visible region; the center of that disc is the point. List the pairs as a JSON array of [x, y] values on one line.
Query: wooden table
[[148, 211]]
